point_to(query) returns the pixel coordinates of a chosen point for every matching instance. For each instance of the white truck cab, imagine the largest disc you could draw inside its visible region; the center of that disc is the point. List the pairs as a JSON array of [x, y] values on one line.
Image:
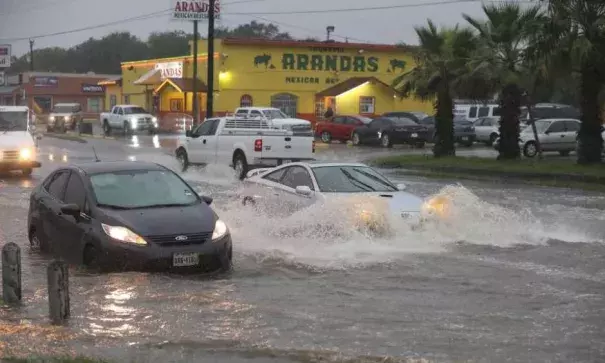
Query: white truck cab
[[279, 119], [244, 144], [18, 149], [129, 119]]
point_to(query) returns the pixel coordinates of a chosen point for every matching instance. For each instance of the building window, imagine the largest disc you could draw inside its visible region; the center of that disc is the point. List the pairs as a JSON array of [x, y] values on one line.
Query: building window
[[94, 104], [286, 102], [127, 99], [176, 105], [367, 105], [245, 101], [43, 104], [113, 100]]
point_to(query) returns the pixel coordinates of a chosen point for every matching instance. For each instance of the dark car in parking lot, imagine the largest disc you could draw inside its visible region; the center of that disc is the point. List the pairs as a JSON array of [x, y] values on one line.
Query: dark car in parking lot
[[388, 131], [127, 215], [464, 131]]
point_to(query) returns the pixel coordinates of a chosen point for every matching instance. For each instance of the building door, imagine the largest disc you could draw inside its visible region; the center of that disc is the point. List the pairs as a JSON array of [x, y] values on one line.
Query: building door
[[286, 102]]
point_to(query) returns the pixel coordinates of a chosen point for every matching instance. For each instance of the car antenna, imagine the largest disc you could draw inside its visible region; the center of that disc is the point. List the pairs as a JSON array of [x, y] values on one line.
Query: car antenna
[[95, 152]]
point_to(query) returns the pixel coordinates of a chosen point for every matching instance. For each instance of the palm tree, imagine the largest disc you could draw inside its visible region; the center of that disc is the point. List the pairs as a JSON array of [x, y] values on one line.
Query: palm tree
[[575, 43], [500, 61], [440, 65]]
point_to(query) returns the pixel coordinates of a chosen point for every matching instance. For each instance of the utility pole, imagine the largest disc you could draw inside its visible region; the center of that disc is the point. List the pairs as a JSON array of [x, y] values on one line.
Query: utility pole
[[194, 106], [210, 77], [31, 55]]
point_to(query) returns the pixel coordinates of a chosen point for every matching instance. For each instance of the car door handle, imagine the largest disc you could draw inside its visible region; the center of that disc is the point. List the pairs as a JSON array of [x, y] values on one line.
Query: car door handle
[[204, 141]]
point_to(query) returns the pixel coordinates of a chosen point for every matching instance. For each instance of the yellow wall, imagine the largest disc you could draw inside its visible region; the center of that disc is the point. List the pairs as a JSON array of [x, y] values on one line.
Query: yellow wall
[[112, 90]]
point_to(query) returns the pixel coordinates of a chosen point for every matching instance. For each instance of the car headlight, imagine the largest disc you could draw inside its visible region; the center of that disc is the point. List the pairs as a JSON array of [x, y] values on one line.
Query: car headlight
[[154, 120], [67, 118], [220, 230], [437, 205], [25, 154], [51, 118], [123, 234]]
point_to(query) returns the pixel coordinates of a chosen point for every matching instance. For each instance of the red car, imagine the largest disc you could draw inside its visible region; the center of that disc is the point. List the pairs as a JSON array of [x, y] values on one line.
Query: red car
[[339, 127]]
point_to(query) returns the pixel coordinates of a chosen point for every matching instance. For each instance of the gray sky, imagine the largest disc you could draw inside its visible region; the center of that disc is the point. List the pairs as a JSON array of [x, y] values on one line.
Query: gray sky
[[25, 18]]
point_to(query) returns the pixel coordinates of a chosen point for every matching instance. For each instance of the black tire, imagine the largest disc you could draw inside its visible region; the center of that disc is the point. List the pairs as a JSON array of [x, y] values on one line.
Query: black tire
[[38, 243], [27, 172], [355, 139], [91, 257], [240, 165], [385, 141], [564, 153], [326, 137], [106, 128], [530, 149], [492, 138], [183, 158], [225, 260]]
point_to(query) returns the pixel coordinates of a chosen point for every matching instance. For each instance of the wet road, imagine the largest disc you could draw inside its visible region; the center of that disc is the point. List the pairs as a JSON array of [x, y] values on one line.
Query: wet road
[[517, 276]]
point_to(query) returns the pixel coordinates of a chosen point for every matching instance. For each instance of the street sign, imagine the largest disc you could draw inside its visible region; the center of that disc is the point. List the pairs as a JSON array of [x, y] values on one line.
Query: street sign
[[194, 10], [5, 56], [2, 79]]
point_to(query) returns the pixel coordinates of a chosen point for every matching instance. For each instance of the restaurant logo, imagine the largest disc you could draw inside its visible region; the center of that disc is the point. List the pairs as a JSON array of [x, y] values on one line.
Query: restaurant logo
[[328, 63], [50, 82], [396, 64], [170, 69], [91, 88]]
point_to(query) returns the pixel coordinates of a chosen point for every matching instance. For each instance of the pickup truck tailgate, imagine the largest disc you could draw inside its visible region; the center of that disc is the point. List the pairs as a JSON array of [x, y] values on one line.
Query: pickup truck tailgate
[[288, 147]]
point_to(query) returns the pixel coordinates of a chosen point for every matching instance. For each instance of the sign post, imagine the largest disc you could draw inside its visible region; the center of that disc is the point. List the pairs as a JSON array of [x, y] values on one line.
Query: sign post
[[210, 77], [5, 55], [194, 79]]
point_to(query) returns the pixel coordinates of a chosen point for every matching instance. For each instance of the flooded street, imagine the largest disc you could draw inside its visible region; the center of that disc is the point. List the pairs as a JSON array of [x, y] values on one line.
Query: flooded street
[[517, 275]]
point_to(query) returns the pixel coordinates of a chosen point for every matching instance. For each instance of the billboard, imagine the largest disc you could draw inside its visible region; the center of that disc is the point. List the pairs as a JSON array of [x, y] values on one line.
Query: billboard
[[194, 10], [46, 82], [5, 56]]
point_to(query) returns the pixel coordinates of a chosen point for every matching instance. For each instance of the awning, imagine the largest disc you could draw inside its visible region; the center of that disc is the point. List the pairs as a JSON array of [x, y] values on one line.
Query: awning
[[151, 78], [182, 85], [350, 84], [117, 80]]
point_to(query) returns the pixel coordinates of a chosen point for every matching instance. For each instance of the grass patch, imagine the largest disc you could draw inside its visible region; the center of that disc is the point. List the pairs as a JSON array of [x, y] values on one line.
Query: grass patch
[[53, 360]]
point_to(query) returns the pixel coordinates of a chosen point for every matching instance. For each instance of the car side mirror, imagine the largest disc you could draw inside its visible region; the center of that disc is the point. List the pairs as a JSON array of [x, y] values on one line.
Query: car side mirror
[[303, 190], [188, 133], [208, 200], [71, 210], [401, 186]]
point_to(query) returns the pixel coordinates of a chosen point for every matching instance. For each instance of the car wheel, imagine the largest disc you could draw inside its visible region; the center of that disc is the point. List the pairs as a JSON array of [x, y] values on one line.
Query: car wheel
[[181, 156], [37, 243], [225, 260], [90, 257], [106, 128], [355, 139], [492, 139], [126, 130], [385, 140], [530, 149], [564, 153], [326, 137], [240, 165], [27, 172]]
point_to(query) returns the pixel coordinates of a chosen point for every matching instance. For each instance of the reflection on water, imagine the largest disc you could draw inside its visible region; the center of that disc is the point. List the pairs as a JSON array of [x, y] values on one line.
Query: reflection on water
[[135, 141], [156, 142]]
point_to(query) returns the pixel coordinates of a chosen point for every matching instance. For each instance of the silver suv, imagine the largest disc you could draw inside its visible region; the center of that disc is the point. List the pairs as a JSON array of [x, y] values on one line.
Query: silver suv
[[64, 116]]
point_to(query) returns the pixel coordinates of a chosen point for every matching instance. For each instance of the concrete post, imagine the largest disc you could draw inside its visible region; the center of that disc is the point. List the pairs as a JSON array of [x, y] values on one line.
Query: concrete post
[[11, 273], [58, 291]]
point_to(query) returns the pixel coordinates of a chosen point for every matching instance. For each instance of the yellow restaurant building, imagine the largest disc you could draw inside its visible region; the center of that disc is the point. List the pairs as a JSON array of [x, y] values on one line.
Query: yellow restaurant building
[[300, 78]]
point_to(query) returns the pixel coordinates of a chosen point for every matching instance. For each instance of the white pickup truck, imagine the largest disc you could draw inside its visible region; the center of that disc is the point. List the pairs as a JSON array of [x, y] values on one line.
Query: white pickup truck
[[279, 120], [244, 144], [17, 141], [129, 119]]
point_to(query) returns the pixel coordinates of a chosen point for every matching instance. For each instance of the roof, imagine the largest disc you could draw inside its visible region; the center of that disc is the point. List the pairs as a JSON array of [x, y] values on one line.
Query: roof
[[112, 166], [110, 81], [307, 44], [349, 84], [182, 85], [68, 75], [13, 108]]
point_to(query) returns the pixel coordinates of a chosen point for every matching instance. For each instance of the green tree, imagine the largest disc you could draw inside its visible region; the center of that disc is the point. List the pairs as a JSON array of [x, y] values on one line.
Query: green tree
[[575, 43], [168, 44], [500, 62], [439, 74]]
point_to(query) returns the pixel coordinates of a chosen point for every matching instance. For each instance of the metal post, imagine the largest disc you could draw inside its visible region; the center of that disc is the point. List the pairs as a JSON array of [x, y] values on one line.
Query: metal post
[[533, 125], [58, 292], [31, 55], [11, 273], [210, 77], [194, 105]]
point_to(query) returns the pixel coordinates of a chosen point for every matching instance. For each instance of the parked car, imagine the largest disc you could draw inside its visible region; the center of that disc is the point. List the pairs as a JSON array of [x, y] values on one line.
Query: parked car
[[64, 116], [487, 129], [414, 115], [388, 131], [277, 117], [339, 127], [554, 135], [129, 119], [464, 131], [127, 215], [242, 143]]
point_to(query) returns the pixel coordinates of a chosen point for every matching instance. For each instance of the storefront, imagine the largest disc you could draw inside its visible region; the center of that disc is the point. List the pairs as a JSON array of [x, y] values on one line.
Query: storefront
[[300, 78]]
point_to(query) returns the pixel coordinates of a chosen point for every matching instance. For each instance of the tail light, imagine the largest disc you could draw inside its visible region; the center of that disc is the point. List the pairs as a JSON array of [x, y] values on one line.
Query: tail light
[[258, 145], [313, 148]]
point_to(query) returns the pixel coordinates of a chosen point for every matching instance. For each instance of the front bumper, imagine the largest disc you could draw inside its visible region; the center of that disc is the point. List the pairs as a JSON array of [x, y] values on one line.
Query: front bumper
[[465, 137], [153, 257], [19, 165], [409, 138]]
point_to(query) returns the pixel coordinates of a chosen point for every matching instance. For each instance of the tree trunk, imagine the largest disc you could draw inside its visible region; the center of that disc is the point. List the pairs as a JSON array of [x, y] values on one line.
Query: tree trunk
[[590, 146], [510, 104], [444, 127]]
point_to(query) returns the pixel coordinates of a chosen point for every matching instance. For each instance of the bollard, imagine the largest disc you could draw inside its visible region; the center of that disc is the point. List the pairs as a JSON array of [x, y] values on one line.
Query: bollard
[[11, 273], [58, 292]]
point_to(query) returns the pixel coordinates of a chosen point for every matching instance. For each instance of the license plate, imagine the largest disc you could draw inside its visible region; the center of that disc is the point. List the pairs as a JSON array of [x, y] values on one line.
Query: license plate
[[464, 138], [414, 135], [185, 259]]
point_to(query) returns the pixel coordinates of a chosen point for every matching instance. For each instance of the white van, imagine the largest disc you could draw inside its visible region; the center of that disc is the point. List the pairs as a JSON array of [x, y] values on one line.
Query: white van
[[18, 149], [474, 111]]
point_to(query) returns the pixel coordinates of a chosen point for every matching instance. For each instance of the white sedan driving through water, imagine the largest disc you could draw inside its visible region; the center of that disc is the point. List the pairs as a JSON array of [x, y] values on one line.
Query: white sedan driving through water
[[366, 198]]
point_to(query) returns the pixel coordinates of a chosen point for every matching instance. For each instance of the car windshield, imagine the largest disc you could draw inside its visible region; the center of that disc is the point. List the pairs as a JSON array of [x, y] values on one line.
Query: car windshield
[[541, 126], [133, 110], [365, 120], [462, 122], [13, 121], [351, 179], [402, 121], [271, 114], [141, 189], [64, 109]]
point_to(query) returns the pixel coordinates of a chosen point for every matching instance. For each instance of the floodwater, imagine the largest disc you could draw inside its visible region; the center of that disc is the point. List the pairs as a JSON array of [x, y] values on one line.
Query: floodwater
[[516, 275]]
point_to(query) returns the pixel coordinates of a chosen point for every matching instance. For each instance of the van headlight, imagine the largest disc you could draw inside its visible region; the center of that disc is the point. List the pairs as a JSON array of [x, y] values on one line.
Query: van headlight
[[26, 154], [220, 230], [436, 206]]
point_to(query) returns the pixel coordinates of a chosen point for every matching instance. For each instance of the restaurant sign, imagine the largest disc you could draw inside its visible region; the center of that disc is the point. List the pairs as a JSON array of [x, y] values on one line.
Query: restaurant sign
[[91, 88], [50, 82], [194, 10], [170, 69], [5, 56]]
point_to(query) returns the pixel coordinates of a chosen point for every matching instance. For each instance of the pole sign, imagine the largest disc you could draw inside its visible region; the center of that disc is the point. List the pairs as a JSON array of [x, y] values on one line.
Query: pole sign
[[194, 10], [2, 79], [5, 56]]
